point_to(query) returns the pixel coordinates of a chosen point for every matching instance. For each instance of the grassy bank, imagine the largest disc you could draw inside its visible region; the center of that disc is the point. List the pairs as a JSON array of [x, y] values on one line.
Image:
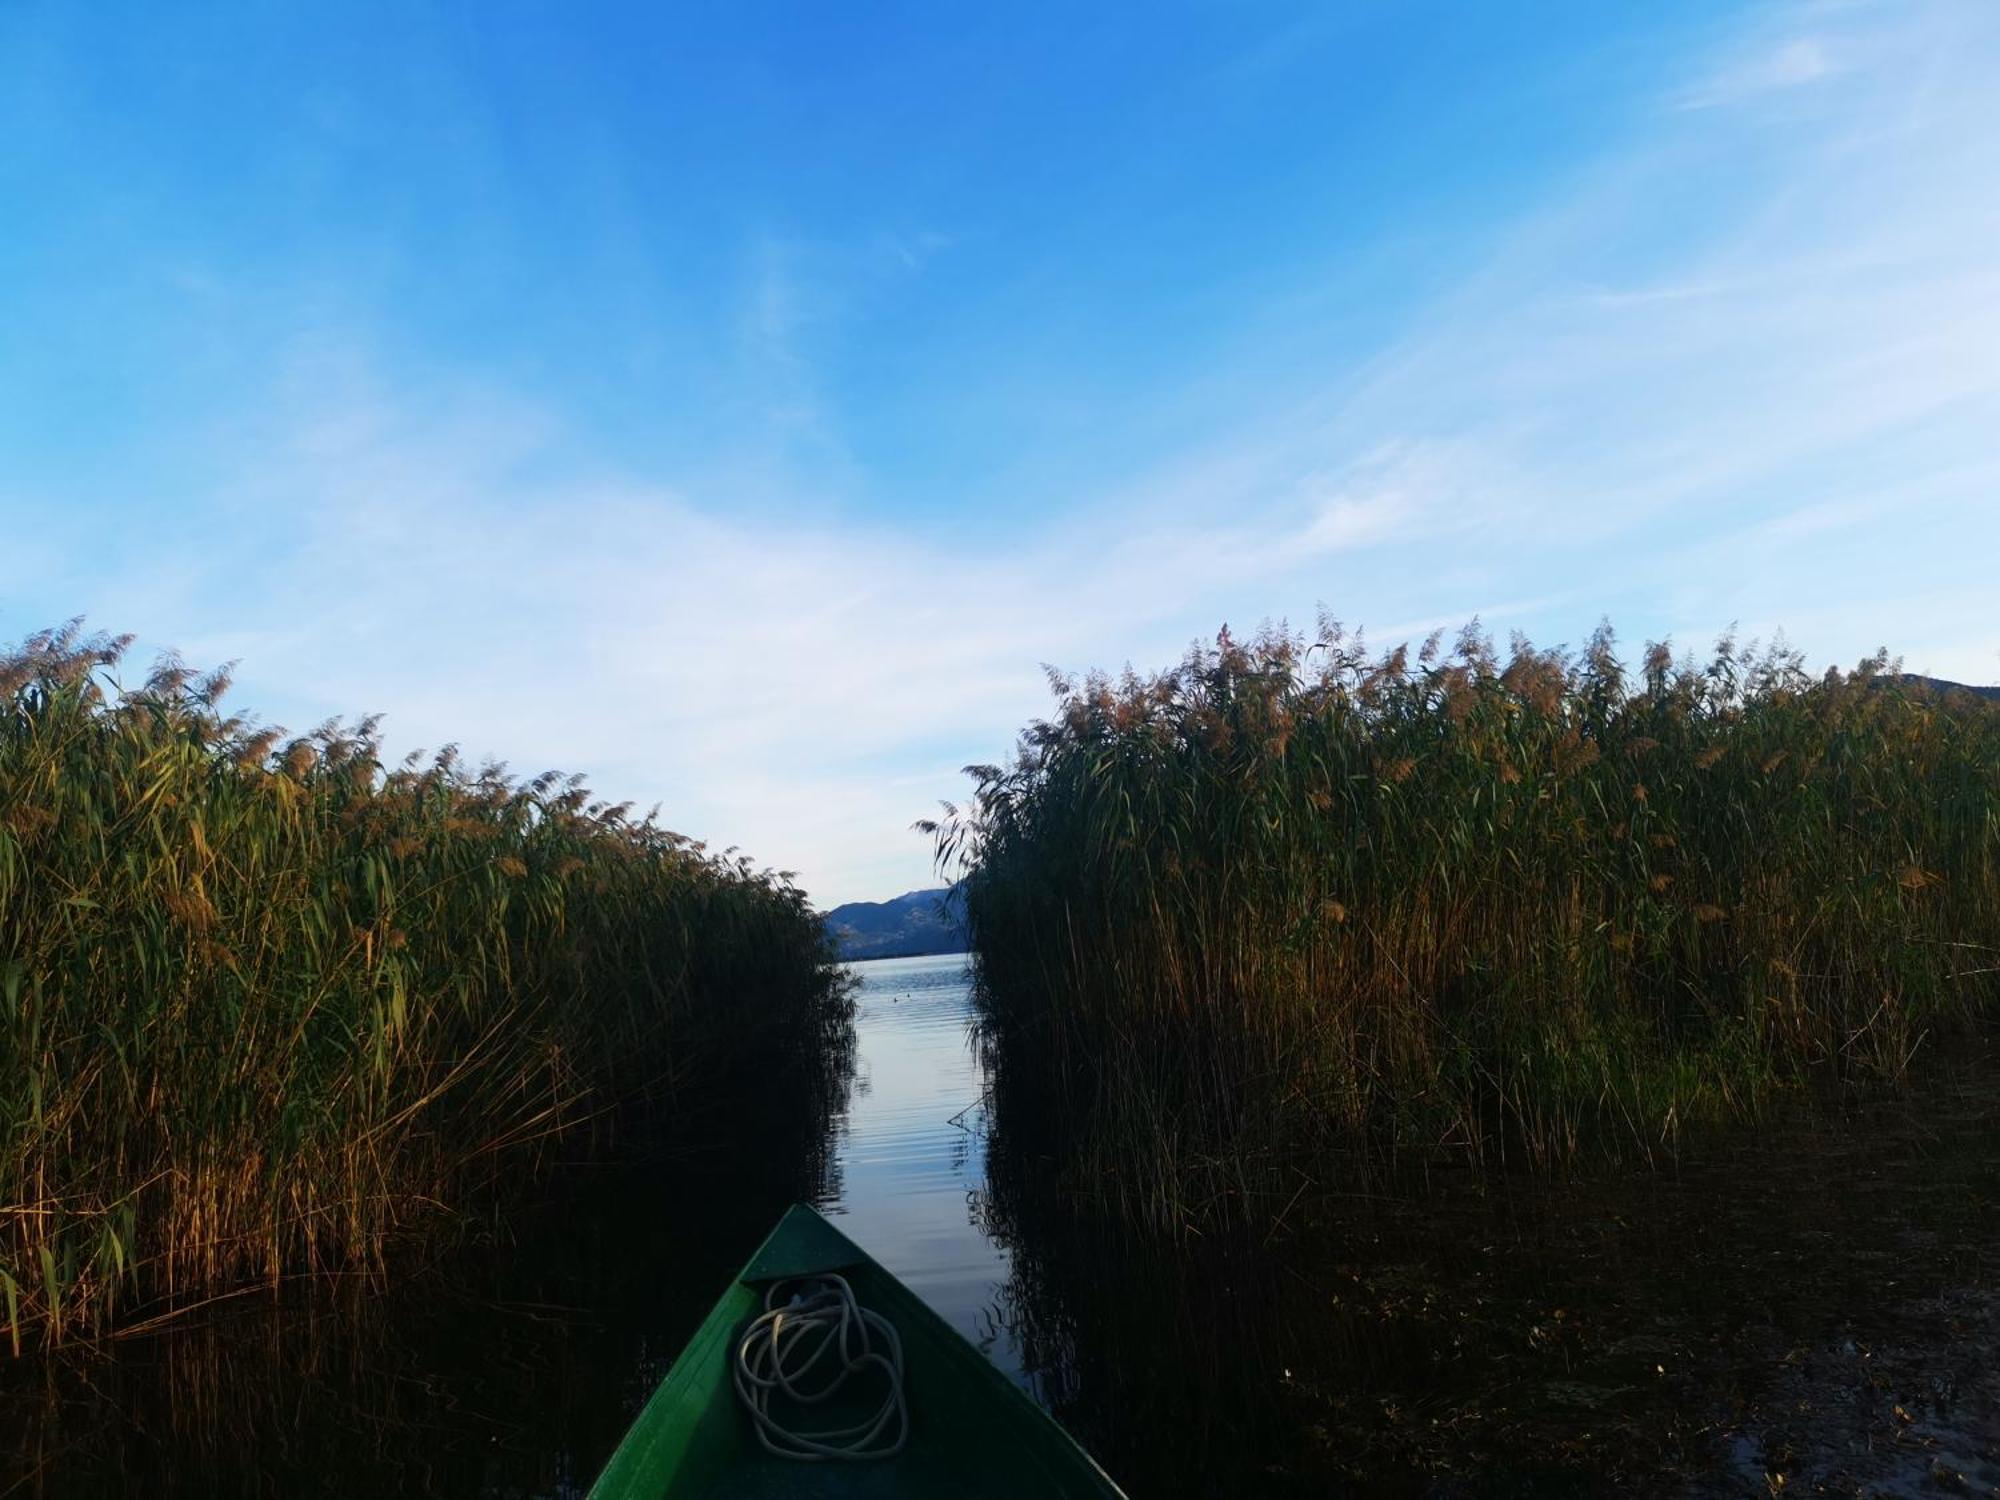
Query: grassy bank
[[1291, 899], [265, 1003]]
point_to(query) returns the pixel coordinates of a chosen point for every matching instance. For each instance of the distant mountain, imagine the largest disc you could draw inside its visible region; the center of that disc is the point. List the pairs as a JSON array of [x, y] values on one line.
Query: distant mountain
[[1939, 685], [917, 922]]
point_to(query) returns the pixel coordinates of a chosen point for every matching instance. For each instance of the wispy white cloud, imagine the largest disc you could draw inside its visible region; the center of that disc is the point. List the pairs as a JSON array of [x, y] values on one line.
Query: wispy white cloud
[[913, 251], [1773, 67]]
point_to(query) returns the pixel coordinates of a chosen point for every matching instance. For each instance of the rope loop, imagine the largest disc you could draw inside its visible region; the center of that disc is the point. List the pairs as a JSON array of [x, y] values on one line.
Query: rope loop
[[805, 1321]]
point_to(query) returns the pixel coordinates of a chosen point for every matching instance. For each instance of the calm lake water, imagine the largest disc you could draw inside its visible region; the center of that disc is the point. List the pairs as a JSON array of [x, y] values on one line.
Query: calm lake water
[[909, 1161], [1810, 1310]]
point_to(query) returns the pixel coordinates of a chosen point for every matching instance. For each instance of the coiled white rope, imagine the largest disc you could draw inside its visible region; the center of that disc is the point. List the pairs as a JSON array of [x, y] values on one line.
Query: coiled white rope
[[804, 1321]]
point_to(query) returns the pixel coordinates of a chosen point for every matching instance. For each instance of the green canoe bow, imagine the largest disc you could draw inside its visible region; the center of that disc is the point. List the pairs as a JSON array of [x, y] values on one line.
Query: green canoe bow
[[973, 1432]]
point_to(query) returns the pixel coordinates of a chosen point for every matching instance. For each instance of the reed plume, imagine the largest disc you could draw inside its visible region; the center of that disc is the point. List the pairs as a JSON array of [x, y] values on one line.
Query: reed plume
[[265, 1005], [1290, 900]]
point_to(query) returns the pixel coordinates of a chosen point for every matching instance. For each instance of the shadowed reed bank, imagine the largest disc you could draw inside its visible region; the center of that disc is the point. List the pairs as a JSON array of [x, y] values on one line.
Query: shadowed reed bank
[[265, 1003], [1292, 900]]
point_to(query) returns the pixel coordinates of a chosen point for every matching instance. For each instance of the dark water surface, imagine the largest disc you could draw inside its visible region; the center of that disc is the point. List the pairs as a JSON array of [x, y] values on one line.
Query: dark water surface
[[1811, 1310]]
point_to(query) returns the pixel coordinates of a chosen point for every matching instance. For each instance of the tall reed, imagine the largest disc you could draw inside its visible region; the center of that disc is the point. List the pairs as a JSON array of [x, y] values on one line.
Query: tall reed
[[265, 1002], [1291, 899]]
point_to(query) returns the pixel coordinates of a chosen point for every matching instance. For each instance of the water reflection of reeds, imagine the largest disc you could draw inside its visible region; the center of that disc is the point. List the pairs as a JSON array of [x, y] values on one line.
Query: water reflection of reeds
[[1509, 1336], [509, 1365]]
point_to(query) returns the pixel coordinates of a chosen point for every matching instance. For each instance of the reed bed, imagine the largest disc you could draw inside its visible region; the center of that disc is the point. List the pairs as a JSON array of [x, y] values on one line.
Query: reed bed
[[1291, 901], [267, 1004]]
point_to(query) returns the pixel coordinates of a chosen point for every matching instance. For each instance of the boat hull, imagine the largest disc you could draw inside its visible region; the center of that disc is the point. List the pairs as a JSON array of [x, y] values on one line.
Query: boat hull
[[973, 1432]]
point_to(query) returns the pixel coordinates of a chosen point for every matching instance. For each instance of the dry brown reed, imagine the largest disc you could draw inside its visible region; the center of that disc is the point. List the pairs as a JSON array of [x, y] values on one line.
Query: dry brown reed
[[265, 1004], [1290, 901]]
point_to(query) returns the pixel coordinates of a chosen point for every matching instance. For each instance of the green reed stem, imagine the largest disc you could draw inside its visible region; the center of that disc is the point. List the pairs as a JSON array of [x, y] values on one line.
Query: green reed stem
[[265, 1003], [1291, 899]]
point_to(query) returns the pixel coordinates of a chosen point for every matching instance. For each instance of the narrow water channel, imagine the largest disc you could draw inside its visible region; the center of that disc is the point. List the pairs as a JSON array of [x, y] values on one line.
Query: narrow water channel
[[909, 1161], [1813, 1307]]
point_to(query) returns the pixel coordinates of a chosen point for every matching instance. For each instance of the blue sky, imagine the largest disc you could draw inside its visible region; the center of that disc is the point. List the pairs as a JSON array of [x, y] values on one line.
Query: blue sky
[[739, 403]]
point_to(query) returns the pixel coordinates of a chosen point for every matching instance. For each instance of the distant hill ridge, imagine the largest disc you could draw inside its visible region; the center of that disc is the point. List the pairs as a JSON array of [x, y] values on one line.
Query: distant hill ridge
[[1940, 685], [912, 924]]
